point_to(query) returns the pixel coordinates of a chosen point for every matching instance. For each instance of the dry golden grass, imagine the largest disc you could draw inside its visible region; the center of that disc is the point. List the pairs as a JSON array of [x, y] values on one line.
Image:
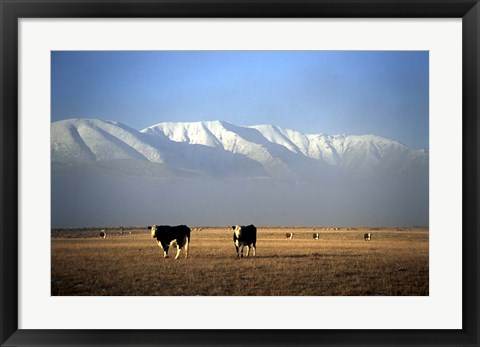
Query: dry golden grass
[[395, 262]]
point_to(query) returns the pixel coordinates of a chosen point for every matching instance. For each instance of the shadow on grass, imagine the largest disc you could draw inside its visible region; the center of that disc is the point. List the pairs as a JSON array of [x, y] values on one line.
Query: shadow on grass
[[313, 255]]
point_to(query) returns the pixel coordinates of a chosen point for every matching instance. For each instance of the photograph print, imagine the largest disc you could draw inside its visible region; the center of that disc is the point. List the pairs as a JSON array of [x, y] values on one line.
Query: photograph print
[[239, 173]]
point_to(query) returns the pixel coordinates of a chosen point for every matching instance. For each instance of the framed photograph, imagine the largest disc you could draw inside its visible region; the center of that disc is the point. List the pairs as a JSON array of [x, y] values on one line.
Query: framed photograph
[[239, 173]]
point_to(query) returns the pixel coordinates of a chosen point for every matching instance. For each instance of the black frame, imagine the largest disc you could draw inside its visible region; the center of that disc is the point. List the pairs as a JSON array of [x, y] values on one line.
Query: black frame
[[12, 10]]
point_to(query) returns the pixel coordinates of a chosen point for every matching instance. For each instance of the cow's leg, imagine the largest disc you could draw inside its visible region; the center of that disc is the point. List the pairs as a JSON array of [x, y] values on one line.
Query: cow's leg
[[187, 241], [248, 250], [254, 248], [178, 251], [165, 250], [165, 255], [238, 251], [180, 246], [241, 250]]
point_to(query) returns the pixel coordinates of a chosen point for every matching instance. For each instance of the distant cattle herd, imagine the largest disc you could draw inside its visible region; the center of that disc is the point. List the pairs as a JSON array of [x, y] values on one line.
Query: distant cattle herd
[[179, 237]]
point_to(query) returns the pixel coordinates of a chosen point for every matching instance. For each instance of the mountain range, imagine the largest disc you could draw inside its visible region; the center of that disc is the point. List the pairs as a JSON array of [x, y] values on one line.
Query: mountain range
[[95, 160], [224, 148]]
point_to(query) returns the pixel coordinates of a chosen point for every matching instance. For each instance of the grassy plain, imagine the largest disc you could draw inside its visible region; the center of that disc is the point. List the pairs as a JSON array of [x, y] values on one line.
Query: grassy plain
[[394, 262]]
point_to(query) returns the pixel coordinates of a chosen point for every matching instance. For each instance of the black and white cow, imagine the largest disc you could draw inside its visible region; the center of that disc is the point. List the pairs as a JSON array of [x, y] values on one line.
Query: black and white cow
[[367, 236], [169, 236], [316, 236], [244, 236]]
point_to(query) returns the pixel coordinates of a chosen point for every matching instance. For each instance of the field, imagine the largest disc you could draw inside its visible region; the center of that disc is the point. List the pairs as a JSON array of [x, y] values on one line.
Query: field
[[394, 262]]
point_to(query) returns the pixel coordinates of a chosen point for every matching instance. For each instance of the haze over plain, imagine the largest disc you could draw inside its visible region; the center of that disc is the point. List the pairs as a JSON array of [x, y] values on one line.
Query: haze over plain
[[213, 173]]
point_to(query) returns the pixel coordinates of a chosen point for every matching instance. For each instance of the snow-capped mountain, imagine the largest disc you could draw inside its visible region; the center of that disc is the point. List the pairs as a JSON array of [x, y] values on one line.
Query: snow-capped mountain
[[215, 172], [91, 141], [86, 140], [206, 146], [277, 148]]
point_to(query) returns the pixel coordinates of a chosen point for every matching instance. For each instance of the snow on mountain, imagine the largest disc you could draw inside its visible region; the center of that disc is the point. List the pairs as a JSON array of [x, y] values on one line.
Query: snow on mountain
[[366, 152], [228, 137], [87, 140], [278, 148], [217, 173], [114, 145], [216, 147]]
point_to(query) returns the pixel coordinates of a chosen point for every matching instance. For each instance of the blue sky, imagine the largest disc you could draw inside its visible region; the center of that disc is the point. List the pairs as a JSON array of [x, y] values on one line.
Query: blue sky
[[333, 92]]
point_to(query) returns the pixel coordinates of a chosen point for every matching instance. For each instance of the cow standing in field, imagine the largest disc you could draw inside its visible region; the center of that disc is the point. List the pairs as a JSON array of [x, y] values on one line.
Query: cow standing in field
[[289, 236], [244, 236], [168, 236], [103, 234], [367, 236], [316, 236]]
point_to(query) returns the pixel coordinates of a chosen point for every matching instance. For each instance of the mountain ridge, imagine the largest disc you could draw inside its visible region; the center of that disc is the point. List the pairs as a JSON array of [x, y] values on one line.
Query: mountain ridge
[[215, 173], [280, 151]]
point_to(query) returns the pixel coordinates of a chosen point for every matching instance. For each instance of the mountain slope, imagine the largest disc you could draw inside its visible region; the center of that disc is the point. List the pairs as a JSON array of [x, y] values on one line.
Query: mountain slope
[[87, 140], [281, 150], [220, 148], [114, 145], [217, 173]]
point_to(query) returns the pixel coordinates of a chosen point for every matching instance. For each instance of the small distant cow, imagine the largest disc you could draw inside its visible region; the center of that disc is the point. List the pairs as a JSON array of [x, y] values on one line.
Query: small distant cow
[[169, 236], [289, 236], [367, 236], [244, 236], [103, 233], [316, 236]]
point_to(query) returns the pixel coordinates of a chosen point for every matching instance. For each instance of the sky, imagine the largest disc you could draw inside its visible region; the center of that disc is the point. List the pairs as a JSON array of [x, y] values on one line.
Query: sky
[[385, 93]]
